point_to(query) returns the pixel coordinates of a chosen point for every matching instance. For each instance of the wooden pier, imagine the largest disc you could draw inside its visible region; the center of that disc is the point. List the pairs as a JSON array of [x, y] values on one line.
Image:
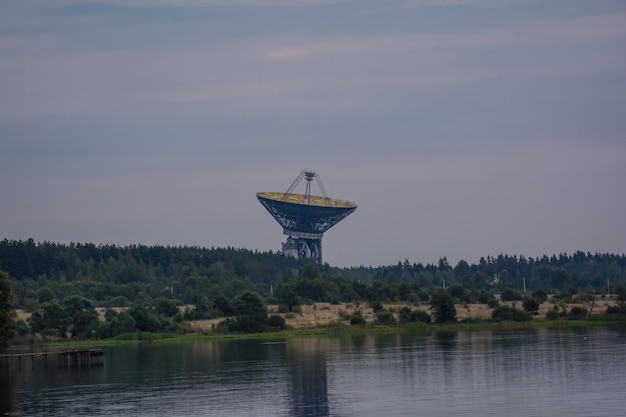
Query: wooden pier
[[80, 358], [75, 358]]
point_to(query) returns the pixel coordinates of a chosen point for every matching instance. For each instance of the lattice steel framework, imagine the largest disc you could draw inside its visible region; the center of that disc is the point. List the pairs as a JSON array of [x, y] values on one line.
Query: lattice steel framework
[[305, 217]]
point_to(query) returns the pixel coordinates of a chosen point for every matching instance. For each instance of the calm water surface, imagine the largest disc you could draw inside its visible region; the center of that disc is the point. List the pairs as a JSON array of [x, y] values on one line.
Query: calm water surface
[[514, 373]]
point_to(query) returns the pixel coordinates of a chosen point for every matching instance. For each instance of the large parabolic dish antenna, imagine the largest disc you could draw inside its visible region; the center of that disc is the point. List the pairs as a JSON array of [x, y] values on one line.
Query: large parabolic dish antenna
[[305, 217]]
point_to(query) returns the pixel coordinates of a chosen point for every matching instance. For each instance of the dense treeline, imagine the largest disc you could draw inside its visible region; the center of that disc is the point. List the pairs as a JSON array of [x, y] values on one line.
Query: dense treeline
[[110, 275], [61, 285]]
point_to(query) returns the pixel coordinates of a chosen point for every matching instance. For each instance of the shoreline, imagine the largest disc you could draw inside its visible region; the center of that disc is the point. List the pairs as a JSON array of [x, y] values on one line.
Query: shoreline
[[326, 319], [340, 330]]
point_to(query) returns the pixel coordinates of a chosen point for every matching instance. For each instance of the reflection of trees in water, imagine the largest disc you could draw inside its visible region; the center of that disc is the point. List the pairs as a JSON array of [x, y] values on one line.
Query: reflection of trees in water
[[446, 343], [446, 340], [8, 395], [309, 380]]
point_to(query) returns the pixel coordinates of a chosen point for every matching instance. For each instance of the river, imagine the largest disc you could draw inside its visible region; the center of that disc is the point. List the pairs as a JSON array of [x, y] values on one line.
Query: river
[[566, 372]]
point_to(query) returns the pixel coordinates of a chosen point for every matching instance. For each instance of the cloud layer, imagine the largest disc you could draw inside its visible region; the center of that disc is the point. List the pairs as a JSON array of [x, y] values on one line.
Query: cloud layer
[[461, 128]]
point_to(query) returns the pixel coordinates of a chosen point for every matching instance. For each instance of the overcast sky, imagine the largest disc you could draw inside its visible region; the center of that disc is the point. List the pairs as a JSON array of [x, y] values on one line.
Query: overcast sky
[[461, 128]]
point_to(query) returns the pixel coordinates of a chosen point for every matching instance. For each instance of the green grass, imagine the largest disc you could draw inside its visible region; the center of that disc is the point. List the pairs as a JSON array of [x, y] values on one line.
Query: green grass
[[336, 330]]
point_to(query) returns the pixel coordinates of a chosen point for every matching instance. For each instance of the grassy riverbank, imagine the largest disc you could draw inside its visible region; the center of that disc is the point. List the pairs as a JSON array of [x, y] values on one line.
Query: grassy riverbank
[[340, 330]]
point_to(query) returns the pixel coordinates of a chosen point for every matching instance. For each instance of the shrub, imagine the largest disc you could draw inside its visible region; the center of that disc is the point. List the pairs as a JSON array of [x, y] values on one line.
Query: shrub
[[577, 313], [509, 294], [31, 304], [552, 315], [493, 302], [404, 314], [385, 317], [506, 313], [484, 297], [531, 305], [456, 291], [356, 319], [222, 304], [471, 297], [443, 307], [582, 297], [408, 316], [376, 306], [420, 316], [563, 296], [615, 310], [276, 322], [21, 328], [540, 294], [250, 313], [119, 301], [166, 307]]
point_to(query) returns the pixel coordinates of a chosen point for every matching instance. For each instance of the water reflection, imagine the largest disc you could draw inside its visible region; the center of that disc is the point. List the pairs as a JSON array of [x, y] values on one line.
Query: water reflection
[[308, 377], [8, 396], [578, 373]]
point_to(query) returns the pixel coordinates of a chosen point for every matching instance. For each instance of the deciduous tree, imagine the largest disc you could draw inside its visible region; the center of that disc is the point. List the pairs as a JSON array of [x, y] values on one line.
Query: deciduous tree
[[7, 310], [250, 312], [81, 315], [443, 307], [531, 305]]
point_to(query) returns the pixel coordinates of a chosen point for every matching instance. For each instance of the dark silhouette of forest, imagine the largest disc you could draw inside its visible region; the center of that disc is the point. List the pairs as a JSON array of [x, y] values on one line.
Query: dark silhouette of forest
[[162, 287], [110, 275]]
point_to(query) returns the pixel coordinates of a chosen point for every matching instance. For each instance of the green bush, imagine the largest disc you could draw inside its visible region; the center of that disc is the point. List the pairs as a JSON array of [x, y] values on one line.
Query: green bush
[[276, 322], [456, 291], [356, 319], [404, 314], [376, 306], [509, 294], [582, 297], [385, 317], [531, 305], [127, 336], [577, 313], [484, 297], [506, 313], [119, 301], [471, 297], [31, 304], [443, 307], [552, 315], [166, 307], [540, 294], [615, 310], [296, 310], [493, 302], [250, 313], [420, 316], [21, 328]]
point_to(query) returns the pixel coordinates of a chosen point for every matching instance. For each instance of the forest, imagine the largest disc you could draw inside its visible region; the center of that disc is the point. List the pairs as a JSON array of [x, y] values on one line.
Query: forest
[[157, 279]]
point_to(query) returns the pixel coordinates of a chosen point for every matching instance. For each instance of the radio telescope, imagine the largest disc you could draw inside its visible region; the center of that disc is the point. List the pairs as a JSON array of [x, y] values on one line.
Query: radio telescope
[[305, 217]]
